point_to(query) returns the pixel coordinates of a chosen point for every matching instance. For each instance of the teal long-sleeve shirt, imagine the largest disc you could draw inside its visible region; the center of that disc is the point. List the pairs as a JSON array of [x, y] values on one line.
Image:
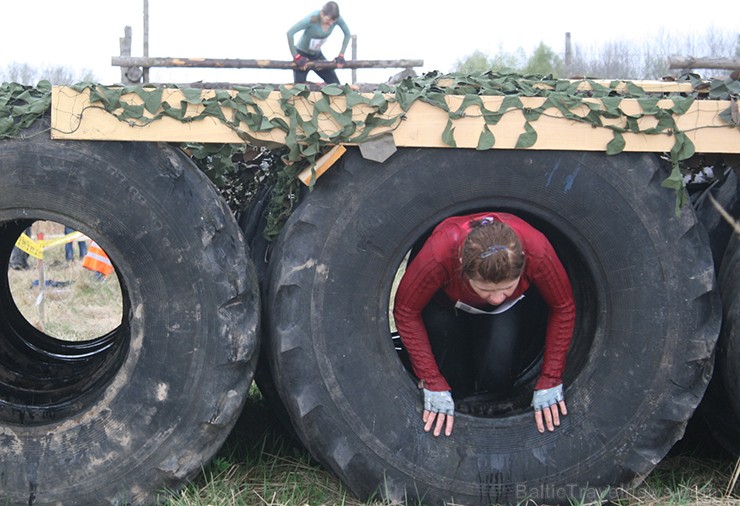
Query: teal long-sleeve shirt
[[314, 35]]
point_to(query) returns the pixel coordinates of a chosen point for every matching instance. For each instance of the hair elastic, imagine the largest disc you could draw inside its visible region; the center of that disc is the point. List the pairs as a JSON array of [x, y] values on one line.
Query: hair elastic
[[493, 250]]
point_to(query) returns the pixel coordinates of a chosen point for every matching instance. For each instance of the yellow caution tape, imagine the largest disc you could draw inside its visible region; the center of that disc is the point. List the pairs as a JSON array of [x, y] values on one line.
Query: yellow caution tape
[[61, 240], [33, 248], [36, 248]]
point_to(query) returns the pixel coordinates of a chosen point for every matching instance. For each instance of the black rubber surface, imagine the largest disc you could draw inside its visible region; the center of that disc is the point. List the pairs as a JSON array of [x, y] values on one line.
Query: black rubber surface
[[729, 280], [145, 407], [648, 319], [252, 222], [723, 398], [717, 419]]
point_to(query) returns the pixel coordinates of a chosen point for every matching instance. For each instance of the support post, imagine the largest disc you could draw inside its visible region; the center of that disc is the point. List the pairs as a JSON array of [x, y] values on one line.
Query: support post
[[354, 57], [130, 74], [125, 48], [145, 73]]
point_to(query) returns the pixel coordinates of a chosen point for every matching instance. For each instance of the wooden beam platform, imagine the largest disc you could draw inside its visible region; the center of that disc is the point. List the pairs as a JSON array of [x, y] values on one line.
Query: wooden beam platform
[[422, 126]]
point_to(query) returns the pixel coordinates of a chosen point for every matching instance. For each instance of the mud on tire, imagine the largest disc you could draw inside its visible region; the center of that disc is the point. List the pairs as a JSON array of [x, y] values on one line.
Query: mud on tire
[[138, 411], [648, 319]]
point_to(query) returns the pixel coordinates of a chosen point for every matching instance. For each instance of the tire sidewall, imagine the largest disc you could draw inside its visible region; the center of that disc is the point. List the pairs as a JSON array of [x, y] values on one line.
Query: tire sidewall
[[728, 352], [355, 229], [146, 430]]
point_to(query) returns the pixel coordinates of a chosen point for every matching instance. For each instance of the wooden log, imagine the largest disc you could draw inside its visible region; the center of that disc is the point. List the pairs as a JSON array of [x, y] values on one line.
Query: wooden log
[[129, 74], [237, 63], [704, 63]]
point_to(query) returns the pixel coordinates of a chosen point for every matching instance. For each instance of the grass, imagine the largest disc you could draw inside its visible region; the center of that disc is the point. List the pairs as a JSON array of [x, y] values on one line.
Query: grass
[[74, 305], [686, 479], [261, 462]]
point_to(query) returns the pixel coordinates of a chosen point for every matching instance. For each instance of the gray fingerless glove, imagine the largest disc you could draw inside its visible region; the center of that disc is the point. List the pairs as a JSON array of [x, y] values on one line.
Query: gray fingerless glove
[[439, 402], [547, 397]]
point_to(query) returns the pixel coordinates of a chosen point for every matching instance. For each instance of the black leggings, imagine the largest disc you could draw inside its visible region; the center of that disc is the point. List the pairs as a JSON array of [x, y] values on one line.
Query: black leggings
[[485, 353], [328, 75]]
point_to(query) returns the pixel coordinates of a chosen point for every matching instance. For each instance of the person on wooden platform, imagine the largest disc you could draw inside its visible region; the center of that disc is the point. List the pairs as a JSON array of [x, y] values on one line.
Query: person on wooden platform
[[317, 27]]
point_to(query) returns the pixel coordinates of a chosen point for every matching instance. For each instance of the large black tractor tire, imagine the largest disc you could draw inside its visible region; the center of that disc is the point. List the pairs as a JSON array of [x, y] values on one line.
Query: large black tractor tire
[[717, 418], [725, 192], [725, 388], [124, 418], [252, 222], [648, 317], [729, 352]]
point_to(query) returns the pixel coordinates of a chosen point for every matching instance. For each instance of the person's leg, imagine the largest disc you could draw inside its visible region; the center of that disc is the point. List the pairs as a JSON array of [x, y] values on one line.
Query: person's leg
[[505, 343], [495, 339], [328, 75], [69, 252], [447, 331], [299, 76], [83, 248]]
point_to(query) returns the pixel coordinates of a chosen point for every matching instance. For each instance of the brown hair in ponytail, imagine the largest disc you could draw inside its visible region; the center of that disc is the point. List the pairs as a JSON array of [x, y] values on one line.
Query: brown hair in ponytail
[[492, 252]]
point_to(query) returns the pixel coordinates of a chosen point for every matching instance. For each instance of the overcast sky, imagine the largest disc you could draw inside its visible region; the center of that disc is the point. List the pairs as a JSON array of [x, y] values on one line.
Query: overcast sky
[[84, 34]]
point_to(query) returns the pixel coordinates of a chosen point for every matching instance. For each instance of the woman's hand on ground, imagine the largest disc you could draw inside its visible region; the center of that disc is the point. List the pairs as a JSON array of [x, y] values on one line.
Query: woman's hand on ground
[[439, 411], [548, 405]]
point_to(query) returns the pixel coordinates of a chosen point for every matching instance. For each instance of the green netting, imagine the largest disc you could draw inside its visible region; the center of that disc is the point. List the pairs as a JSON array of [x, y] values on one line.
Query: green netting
[[305, 141]]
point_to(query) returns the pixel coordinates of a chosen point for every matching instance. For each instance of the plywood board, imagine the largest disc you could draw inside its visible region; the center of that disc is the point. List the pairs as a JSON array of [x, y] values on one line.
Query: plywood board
[[421, 126]]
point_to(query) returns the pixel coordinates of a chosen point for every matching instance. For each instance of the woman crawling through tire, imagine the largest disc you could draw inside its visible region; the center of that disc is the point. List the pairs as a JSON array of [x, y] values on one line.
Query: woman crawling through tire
[[483, 265]]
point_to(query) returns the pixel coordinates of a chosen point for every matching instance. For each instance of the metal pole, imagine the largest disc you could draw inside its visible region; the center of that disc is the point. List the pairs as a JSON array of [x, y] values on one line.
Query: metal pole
[[42, 286]]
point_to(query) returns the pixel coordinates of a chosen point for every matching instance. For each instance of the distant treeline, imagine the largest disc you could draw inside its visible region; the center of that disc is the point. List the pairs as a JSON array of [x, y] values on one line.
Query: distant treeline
[[624, 59], [24, 73]]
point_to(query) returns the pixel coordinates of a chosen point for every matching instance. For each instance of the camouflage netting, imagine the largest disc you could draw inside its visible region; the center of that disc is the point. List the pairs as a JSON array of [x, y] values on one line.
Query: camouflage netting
[[239, 170]]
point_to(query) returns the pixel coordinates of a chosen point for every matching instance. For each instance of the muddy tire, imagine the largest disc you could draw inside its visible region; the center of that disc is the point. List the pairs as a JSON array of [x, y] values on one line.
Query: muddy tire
[[729, 350], [725, 400], [717, 418], [252, 222], [125, 417], [727, 195], [648, 317]]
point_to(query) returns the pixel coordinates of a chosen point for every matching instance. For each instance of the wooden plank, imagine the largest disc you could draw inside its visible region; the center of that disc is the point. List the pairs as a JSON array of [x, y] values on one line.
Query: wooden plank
[[73, 117], [322, 165], [422, 126], [647, 86], [701, 123]]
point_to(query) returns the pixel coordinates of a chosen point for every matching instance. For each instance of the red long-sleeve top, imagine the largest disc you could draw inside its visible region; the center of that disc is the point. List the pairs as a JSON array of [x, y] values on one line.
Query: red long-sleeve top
[[437, 266]]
